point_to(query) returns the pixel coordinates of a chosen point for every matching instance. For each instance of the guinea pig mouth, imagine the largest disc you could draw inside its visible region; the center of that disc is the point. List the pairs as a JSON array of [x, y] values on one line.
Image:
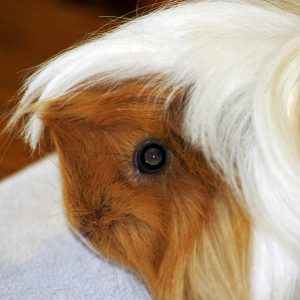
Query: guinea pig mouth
[[88, 224], [98, 223], [88, 227]]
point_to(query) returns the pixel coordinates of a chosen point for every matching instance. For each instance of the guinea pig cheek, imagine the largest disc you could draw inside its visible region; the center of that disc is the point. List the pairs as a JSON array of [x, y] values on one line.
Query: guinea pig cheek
[[122, 222]]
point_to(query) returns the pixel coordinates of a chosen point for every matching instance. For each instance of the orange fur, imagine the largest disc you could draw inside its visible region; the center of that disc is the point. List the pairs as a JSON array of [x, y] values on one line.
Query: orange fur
[[182, 231]]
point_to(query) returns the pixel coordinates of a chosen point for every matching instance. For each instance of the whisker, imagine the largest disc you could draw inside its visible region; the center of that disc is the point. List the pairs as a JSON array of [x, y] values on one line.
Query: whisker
[[78, 214], [78, 209]]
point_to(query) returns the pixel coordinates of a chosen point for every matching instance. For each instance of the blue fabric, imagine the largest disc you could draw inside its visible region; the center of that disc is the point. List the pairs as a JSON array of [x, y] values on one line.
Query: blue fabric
[[39, 256]]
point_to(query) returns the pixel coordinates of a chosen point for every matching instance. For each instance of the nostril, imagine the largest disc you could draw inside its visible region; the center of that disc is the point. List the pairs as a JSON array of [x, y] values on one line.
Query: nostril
[[86, 234]]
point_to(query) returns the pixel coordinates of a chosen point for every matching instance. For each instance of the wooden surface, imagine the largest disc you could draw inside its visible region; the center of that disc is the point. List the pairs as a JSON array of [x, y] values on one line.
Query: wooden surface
[[31, 32]]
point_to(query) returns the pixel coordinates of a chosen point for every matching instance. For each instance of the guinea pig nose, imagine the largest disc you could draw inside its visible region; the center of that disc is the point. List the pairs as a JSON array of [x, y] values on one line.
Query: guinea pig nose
[[86, 234]]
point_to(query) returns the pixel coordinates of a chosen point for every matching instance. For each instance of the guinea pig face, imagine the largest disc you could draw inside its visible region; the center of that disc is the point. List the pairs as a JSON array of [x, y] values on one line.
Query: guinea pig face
[[134, 191]]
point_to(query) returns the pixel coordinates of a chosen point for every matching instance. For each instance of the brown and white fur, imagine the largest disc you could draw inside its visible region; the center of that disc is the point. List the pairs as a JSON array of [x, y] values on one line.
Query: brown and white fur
[[218, 83]]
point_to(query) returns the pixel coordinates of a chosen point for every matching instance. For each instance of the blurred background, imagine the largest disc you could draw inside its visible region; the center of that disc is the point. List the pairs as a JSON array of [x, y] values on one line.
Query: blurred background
[[31, 32]]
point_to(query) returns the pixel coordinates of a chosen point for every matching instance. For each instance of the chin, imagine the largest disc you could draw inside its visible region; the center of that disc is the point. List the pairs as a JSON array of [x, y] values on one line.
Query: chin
[[179, 146]]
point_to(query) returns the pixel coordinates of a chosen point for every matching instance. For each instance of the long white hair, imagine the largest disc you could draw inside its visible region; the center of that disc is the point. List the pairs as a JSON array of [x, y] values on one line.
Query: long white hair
[[241, 62]]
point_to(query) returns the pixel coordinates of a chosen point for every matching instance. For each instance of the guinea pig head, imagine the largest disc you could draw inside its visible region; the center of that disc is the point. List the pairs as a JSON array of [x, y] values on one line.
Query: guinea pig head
[[136, 192]]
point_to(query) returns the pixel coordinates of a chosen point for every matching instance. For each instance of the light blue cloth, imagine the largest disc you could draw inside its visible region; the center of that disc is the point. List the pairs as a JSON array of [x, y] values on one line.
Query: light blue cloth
[[39, 257]]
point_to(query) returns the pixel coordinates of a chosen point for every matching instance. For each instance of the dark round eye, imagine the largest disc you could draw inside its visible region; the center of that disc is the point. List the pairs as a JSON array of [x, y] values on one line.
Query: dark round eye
[[151, 157]]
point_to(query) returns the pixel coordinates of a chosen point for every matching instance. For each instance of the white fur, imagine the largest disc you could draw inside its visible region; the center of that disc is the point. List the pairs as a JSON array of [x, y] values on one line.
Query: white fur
[[241, 62], [275, 275]]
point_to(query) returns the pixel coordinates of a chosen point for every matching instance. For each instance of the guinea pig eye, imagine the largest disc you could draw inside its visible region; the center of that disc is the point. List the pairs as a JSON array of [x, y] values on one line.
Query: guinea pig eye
[[151, 157]]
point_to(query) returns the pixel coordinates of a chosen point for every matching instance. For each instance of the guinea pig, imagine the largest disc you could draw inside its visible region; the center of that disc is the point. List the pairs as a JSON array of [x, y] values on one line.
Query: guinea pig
[[178, 140], [138, 194]]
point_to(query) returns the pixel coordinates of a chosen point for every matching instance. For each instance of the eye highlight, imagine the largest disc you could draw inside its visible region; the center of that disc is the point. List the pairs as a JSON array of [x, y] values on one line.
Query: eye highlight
[[151, 157]]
